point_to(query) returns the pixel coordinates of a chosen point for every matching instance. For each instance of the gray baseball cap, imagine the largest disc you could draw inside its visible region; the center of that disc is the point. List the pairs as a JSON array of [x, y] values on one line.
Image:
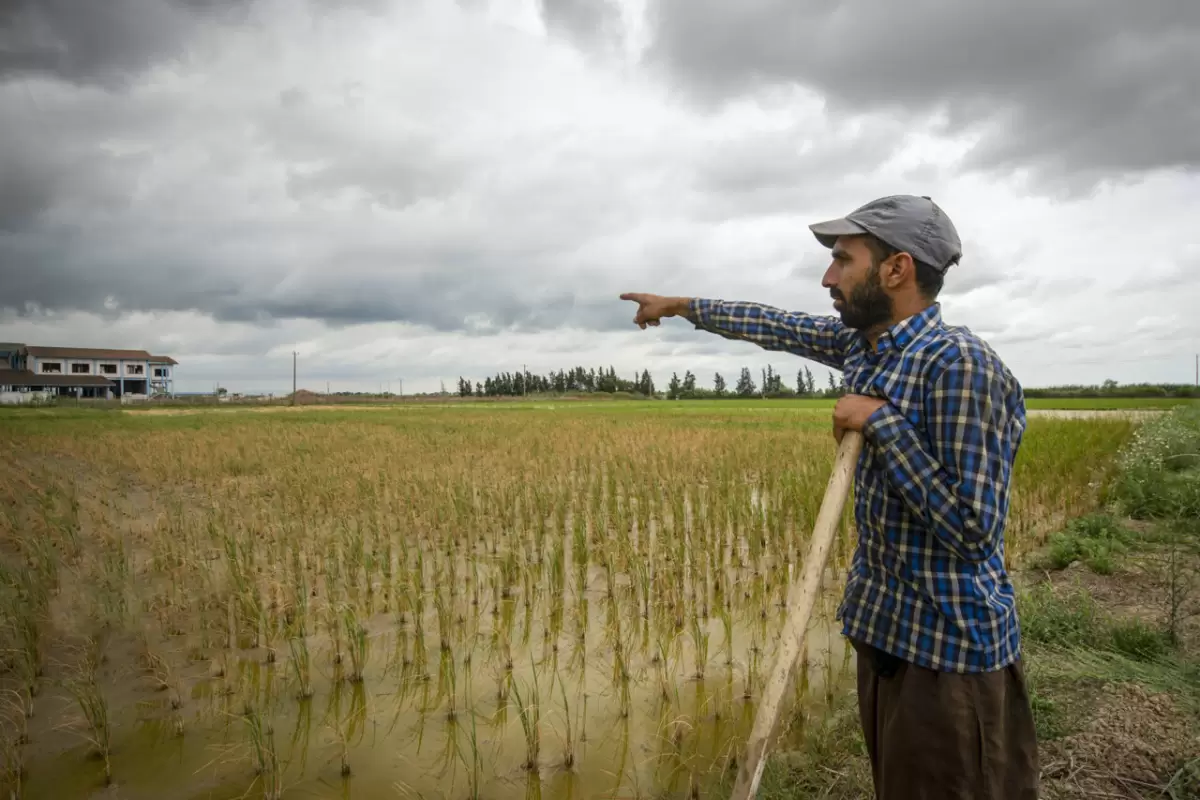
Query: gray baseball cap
[[915, 225]]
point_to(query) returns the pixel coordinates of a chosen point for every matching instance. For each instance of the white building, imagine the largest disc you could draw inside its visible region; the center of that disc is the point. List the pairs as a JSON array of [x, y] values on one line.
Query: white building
[[86, 372]]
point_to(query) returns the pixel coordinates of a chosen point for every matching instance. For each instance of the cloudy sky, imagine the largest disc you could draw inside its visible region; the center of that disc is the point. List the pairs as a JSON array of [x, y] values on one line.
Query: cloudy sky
[[422, 189]]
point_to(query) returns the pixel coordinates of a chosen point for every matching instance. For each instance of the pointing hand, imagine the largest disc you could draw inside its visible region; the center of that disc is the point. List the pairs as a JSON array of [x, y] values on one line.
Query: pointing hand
[[653, 307]]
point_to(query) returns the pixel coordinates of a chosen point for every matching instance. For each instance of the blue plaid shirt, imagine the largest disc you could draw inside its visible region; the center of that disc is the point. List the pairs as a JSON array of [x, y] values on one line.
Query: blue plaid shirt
[[932, 487]]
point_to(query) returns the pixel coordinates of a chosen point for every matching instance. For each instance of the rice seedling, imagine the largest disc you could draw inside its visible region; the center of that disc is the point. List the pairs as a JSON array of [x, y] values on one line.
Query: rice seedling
[[529, 710], [83, 685], [301, 663], [260, 731], [357, 642]]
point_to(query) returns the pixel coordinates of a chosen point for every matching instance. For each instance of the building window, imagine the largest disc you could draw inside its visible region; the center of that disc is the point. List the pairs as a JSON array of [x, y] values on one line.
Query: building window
[[81, 369], [51, 367], [160, 372], [108, 369], [134, 369]]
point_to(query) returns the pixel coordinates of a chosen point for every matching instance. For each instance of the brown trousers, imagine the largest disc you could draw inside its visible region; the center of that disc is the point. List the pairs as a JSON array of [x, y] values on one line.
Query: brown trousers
[[946, 736]]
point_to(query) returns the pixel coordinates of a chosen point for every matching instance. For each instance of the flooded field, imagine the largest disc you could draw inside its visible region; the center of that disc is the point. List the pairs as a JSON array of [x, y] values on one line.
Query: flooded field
[[492, 603]]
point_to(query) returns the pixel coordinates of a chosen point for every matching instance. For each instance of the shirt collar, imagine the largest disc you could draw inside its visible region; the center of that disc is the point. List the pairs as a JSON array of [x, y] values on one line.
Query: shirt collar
[[902, 334]]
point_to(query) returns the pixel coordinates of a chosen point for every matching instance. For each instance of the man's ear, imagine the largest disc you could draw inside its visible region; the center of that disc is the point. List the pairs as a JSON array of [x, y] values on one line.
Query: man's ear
[[897, 270]]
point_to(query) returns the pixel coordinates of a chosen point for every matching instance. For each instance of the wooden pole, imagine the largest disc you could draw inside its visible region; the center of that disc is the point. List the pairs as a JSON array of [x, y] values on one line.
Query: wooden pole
[[800, 606]]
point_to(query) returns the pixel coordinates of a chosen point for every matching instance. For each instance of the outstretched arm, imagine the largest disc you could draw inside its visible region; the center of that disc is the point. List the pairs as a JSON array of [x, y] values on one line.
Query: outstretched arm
[[957, 480], [822, 339]]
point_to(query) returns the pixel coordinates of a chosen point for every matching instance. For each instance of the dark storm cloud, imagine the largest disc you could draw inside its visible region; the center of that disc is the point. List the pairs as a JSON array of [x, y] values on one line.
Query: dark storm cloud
[[41, 167], [460, 287], [1075, 90], [102, 42]]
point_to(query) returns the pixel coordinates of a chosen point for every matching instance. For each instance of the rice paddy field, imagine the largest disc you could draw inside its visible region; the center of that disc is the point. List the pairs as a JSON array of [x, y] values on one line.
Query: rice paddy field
[[545, 599]]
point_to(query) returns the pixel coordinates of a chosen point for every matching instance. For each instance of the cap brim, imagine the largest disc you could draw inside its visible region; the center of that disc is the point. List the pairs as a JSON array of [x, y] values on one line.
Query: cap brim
[[828, 232]]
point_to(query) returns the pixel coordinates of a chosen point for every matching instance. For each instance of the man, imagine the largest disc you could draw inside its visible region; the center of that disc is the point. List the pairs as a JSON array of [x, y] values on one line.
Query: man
[[928, 604]]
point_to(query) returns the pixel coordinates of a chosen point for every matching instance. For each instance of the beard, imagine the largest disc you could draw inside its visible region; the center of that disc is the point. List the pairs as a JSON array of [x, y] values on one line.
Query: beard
[[868, 306]]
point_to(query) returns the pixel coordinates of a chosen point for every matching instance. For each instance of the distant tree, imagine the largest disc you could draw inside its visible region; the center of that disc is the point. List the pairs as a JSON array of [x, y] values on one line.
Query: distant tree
[[804, 382], [719, 385], [745, 385], [673, 387], [689, 382], [646, 384], [772, 384]]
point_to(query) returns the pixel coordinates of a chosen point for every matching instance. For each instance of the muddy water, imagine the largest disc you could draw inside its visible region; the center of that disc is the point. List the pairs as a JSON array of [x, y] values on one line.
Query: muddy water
[[399, 739], [661, 730]]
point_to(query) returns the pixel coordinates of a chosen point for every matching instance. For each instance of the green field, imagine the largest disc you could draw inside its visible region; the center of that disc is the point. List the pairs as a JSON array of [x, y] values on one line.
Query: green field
[[548, 598]]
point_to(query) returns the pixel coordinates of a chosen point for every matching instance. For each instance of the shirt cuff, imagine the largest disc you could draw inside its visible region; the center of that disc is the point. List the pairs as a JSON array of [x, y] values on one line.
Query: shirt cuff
[[697, 311], [885, 425]]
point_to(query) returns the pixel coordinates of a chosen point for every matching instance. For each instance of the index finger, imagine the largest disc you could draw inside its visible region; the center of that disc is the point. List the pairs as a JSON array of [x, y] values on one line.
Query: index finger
[[634, 296]]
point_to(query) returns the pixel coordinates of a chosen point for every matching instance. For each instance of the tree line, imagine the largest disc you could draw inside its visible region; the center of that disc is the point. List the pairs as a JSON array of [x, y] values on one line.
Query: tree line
[[592, 380], [1111, 388], [768, 383]]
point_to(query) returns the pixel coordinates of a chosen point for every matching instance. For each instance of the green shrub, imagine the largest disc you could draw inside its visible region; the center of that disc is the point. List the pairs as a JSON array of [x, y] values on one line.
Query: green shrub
[[1138, 640], [1160, 468], [1093, 539]]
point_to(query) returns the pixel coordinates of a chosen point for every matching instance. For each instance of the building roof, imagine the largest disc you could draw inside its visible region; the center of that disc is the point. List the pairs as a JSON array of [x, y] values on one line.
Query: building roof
[[37, 351], [23, 377], [11, 347], [87, 352]]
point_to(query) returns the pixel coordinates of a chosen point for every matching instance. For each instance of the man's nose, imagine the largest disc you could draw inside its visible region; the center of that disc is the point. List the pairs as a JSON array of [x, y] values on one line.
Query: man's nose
[[829, 279]]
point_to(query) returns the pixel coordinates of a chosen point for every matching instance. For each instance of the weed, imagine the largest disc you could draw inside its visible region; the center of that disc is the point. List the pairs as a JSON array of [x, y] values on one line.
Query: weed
[[1138, 640]]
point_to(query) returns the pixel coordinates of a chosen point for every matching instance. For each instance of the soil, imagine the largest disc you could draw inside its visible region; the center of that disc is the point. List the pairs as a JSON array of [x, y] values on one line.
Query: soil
[[1131, 746]]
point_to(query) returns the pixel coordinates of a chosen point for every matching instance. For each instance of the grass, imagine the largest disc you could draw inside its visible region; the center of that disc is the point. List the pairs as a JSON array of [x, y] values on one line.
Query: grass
[[453, 564], [1095, 539]]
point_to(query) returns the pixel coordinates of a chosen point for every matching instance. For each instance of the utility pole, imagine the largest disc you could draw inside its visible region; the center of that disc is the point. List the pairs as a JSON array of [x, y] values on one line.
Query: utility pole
[[524, 381], [293, 377], [401, 389]]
